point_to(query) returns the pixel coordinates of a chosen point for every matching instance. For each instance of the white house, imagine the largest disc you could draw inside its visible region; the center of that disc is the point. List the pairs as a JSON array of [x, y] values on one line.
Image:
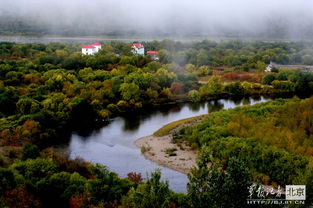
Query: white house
[[98, 46], [138, 49], [91, 49], [269, 68], [154, 55], [88, 50], [303, 68]]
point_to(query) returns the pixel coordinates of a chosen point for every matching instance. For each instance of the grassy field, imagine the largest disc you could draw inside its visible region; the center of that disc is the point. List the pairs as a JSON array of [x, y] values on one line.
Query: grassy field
[[171, 126]]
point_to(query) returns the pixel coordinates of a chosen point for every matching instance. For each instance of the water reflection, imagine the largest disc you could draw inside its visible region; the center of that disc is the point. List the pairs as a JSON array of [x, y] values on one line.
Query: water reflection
[[215, 105], [195, 107], [236, 100], [112, 145], [246, 101], [256, 97], [133, 122]]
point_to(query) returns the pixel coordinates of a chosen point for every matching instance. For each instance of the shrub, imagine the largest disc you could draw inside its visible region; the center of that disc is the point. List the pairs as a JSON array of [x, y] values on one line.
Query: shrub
[[153, 194], [231, 76], [194, 96], [30, 151], [177, 88], [7, 180], [171, 152], [135, 177], [268, 79], [144, 149]]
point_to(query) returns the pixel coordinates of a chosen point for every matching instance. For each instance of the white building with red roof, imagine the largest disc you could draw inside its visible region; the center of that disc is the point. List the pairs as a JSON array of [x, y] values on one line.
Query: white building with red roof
[[138, 49], [98, 46], [153, 54], [91, 49]]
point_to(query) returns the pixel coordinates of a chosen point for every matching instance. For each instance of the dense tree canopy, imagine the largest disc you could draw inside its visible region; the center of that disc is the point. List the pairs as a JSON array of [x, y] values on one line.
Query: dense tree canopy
[[48, 90], [277, 149]]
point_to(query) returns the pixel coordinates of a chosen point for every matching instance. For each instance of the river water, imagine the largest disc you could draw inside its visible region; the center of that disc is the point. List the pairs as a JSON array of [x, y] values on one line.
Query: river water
[[113, 144], [71, 40]]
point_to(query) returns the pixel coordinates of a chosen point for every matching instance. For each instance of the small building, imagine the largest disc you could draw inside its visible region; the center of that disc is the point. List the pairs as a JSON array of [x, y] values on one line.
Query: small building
[[154, 55], [91, 49], [303, 68], [97, 46], [269, 68], [138, 49]]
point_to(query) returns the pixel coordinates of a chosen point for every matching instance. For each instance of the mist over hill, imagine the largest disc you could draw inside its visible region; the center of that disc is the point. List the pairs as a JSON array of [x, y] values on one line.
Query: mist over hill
[[164, 18]]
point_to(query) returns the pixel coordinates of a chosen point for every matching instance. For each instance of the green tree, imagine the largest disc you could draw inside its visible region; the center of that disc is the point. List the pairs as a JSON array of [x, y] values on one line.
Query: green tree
[[8, 99], [35, 170], [7, 180], [268, 79], [152, 95], [194, 96], [130, 91], [260, 65], [209, 185], [165, 56], [202, 58], [199, 177], [27, 105], [164, 77], [213, 87], [107, 186], [59, 187], [30, 151], [237, 181], [154, 193], [234, 88]]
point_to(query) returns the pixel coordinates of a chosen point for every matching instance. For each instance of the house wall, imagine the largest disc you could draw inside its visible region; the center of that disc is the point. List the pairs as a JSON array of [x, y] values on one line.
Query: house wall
[[154, 56], [139, 51], [88, 51], [98, 47], [304, 68]]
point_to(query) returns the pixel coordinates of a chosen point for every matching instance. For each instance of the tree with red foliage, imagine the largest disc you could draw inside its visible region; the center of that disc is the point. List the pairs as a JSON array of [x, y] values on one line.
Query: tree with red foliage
[[25, 198], [231, 76], [135, 177], [246, 77], [177, 88], [79, 201]]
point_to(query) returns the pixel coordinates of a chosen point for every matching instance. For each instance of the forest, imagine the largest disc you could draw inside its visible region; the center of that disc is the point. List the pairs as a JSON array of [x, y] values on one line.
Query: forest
[[49, 90], [276, 149]]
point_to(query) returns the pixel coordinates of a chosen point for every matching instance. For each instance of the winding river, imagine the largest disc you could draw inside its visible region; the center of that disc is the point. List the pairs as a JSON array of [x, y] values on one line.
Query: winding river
[[113, 144]]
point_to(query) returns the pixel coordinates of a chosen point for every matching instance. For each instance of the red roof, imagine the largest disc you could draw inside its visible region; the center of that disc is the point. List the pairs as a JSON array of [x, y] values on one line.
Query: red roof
[[88, 46], [96, 44], [152, 52], [138, 45]]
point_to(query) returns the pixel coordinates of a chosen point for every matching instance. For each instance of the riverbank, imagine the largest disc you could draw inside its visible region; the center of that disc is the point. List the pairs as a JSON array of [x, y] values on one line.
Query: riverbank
[[164, 152], [161, 149], [113, 144]]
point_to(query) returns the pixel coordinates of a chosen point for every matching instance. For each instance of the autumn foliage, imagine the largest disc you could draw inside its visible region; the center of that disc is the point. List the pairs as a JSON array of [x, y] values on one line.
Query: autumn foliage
[[135, 177], [275, 147]]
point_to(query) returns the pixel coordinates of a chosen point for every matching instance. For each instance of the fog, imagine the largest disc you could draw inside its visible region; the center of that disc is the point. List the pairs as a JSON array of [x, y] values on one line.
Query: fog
[[178, 18]]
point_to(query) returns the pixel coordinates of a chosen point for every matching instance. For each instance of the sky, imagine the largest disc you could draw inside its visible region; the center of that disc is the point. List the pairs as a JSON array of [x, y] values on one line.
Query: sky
[[289, 18]]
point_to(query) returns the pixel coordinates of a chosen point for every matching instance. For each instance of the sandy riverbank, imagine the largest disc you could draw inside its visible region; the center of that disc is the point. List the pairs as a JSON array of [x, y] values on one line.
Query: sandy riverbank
[[157, 150]]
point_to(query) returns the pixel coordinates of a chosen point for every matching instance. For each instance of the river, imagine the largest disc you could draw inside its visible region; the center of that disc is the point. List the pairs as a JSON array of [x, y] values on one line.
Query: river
[[113, 144], [70, 40], [89, 39]]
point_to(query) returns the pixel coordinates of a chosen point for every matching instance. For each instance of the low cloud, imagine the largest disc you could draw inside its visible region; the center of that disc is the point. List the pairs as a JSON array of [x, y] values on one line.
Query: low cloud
[[266, 18]]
